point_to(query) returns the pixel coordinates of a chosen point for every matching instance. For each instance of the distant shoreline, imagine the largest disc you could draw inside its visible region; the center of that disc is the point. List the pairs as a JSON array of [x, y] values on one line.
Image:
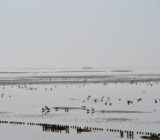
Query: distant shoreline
[[80, 79]]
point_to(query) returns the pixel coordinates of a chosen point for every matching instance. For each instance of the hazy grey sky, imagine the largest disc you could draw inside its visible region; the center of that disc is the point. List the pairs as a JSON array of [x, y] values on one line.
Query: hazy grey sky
[[75, 33]]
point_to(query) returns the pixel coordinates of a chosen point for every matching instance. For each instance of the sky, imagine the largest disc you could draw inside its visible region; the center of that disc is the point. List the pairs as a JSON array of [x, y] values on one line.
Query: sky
[[77, 33]]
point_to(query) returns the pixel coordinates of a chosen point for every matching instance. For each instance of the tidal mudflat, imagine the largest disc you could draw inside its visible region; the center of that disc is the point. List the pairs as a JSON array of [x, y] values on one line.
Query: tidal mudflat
[[80, 104]]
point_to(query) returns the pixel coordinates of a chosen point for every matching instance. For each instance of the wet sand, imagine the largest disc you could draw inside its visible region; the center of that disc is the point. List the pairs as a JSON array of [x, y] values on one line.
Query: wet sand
[[92, 105]]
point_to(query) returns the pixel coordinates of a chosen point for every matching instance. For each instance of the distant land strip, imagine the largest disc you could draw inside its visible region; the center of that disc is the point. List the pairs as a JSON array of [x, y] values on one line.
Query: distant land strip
[[95, 79]]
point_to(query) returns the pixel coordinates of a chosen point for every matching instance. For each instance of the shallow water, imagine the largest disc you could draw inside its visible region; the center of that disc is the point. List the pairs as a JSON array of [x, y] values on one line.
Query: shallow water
[[107, 109]]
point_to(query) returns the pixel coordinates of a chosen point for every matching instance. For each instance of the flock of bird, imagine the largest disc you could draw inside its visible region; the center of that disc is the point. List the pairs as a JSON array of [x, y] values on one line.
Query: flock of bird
[[24, 87], [104, 99], [107, 100]]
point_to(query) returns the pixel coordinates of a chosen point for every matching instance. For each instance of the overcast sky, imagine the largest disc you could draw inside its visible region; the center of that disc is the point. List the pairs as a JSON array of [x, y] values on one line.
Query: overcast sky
[[76, 33]]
